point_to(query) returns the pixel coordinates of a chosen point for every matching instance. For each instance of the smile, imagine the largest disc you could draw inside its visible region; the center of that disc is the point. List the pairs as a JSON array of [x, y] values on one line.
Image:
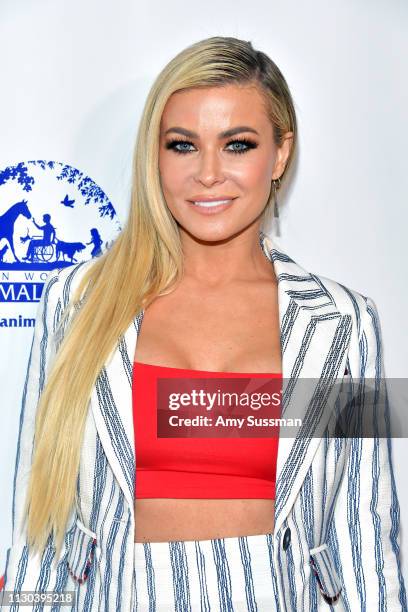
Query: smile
[[213, 203]]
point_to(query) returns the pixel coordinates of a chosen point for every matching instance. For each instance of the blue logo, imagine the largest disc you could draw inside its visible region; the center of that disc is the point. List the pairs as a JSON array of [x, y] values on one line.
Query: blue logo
[[51, 216]]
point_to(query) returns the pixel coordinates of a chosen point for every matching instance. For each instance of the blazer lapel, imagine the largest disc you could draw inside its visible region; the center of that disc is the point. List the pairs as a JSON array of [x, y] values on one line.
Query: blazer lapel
[[111, 402], [314, 342], [315, 338]]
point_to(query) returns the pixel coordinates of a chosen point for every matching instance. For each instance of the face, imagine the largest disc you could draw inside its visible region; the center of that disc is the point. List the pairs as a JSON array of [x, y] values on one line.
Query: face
[[217, 144]]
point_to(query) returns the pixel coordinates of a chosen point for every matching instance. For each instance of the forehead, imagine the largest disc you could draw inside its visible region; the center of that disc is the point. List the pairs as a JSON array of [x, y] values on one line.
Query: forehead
[[216, 107]]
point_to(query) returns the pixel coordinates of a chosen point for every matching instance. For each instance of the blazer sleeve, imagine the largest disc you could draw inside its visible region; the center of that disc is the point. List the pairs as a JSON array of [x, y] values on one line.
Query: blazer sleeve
[[367, 519], [25, 571]]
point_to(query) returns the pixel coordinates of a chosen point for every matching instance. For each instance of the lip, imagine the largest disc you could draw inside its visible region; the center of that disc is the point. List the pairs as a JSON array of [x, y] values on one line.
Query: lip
[[210, 198], [213, 210]]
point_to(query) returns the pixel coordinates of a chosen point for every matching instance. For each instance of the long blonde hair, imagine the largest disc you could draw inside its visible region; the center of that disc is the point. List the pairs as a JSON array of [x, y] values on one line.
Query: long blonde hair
[[144, 262]]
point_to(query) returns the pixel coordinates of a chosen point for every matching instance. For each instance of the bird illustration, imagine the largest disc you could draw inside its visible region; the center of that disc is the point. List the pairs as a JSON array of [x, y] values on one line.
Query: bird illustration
[[67, 202]]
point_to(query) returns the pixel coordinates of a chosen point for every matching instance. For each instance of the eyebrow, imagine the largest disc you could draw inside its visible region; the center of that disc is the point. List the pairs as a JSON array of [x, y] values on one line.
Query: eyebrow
[[226, 134]]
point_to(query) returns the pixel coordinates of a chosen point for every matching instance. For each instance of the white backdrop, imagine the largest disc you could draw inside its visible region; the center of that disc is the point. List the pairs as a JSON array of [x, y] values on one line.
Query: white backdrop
[[74, 79]]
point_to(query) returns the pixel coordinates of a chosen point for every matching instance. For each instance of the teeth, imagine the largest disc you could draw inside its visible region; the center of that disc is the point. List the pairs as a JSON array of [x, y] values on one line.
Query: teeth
[[210, 204]]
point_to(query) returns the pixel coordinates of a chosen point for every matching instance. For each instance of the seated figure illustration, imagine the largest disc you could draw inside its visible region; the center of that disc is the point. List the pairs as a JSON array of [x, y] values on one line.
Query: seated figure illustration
[[48, 236]]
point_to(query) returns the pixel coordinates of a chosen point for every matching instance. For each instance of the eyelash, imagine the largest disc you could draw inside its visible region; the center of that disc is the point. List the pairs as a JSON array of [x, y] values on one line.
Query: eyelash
[[250, 144]]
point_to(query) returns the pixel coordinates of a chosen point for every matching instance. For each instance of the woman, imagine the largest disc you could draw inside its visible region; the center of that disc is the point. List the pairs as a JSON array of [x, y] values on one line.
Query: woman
[[218, 124]]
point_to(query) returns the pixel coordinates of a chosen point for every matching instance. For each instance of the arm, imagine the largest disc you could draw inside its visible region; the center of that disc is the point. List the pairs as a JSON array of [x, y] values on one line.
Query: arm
[[366, 517], [24, 570]]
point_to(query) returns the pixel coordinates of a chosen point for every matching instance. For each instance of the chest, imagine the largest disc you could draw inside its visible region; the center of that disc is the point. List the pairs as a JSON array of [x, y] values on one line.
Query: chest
[[223, 331]]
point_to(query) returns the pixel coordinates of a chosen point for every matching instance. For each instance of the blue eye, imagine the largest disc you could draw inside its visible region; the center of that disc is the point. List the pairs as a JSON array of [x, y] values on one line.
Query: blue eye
[[174, 144], [248, 144], [181, 146]]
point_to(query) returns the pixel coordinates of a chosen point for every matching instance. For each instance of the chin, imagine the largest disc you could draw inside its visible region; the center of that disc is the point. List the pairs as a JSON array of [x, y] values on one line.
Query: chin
[[214, 234]]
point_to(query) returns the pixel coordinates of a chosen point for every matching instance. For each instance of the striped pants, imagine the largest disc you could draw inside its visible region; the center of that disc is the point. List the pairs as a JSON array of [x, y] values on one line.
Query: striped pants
[[223, 574]]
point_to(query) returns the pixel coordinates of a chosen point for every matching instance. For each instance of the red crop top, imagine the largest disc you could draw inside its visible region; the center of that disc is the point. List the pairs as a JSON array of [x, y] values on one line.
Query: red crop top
[[208, 468]]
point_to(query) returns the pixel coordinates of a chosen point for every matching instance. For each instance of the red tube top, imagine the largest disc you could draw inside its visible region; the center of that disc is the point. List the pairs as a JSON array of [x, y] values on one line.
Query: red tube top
[[208, 468]]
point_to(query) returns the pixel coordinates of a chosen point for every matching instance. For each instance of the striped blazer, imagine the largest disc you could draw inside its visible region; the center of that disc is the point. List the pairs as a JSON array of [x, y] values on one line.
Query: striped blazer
[[336, 535]]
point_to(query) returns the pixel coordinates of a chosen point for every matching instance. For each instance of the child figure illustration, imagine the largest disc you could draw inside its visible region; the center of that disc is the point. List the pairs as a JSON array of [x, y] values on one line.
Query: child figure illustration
[[96, 241]]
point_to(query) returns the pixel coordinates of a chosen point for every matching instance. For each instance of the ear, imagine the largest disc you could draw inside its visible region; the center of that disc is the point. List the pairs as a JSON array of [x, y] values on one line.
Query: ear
[[282, 155]]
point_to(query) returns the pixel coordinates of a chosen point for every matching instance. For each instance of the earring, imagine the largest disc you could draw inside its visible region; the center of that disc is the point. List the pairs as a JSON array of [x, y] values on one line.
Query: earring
[[276, 185]]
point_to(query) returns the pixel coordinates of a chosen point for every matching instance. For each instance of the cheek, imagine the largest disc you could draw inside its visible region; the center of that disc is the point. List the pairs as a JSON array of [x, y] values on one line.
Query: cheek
[[172, 177], [256, 177]]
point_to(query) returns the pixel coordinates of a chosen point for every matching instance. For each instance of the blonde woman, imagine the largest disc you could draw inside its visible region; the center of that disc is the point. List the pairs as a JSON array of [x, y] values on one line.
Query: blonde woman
[[109, 516]]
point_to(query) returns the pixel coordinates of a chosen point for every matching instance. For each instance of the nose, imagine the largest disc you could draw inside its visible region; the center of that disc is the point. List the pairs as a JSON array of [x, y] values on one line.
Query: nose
[[210, 169]]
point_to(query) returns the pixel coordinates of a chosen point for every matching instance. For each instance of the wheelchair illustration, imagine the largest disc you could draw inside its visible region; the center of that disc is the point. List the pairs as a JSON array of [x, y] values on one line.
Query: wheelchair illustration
[[44, 252], [41, 250]]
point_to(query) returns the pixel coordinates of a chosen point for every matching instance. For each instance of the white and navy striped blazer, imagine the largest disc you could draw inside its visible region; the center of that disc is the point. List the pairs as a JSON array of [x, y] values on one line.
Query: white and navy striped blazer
[[336, 535]]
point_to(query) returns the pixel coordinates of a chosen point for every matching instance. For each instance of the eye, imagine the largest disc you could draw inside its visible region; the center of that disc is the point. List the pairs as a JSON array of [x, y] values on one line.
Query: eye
[[175, 144], [248, 144], [240, 145]]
